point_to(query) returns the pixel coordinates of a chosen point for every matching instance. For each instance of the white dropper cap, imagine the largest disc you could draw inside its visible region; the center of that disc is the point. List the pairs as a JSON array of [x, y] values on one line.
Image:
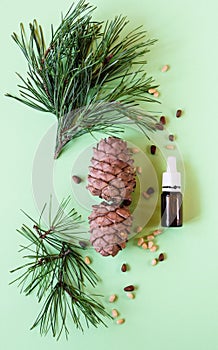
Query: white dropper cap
[[171, 179]]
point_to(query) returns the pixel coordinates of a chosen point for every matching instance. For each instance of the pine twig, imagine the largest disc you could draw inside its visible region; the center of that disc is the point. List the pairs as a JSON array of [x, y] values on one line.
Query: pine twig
[[57, 274], [108, 118], [87, 62]]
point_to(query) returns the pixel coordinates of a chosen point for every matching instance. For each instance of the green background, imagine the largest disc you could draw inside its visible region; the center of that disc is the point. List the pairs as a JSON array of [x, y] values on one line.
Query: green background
[[176, 304]]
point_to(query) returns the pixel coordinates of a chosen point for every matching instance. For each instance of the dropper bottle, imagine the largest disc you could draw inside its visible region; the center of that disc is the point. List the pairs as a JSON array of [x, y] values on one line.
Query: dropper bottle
[[171, 197]]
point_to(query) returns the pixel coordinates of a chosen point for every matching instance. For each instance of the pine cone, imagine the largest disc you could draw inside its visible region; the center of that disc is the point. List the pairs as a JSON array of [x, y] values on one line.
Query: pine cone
[[112, 176], [109, 226]]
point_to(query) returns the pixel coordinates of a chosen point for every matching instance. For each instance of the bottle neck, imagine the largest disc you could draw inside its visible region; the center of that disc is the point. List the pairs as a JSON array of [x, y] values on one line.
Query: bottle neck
[[171, 188]]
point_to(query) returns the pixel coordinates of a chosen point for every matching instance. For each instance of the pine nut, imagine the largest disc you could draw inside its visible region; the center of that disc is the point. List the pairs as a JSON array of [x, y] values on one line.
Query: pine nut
[[114, 313], [87, 260], [163, 119], [123, 268], [165, 68], [153, 149], [144, 246], [146, 195], [152, 91], [150, 244], [153, 248], [157, 232], [178, 113], [120, 321], [154, 262], [76, 179], [130, 295], [171, 137], [129, 288], [161, 257], [140, 241], [150, 190], [138, 229], [112, 298], [150, 237], [139, 169], [134, 150]]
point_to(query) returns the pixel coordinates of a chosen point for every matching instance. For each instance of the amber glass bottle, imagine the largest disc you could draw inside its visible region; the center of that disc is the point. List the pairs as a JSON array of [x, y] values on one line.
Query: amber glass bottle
[[171, 209], [171, 197]]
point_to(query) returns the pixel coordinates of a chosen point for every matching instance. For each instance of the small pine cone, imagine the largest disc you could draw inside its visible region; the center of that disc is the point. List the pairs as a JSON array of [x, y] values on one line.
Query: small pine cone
[[112, 176], [110, 226]]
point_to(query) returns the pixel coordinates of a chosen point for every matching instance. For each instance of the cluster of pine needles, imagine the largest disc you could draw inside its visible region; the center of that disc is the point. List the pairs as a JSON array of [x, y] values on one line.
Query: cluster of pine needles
[[88, 66], [55, 272]]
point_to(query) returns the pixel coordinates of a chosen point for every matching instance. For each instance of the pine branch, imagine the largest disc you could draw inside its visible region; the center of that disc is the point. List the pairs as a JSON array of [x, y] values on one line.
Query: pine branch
[[57, 274], [87, 62]]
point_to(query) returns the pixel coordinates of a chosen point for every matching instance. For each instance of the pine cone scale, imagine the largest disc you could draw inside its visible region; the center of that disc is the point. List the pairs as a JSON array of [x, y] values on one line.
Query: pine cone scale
[[97, 183], [100, 175], [94, 191], [122, 212]]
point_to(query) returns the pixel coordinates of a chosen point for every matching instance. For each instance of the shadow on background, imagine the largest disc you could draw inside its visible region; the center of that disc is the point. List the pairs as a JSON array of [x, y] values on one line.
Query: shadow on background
[[192, 197]]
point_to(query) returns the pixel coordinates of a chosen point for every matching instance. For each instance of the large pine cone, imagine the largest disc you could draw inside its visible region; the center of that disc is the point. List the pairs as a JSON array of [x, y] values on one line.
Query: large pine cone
[[112, 176], [110, 226]]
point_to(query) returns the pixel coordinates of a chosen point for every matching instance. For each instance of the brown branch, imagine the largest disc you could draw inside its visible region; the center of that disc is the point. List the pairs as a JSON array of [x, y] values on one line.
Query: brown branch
[[44, 234]]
